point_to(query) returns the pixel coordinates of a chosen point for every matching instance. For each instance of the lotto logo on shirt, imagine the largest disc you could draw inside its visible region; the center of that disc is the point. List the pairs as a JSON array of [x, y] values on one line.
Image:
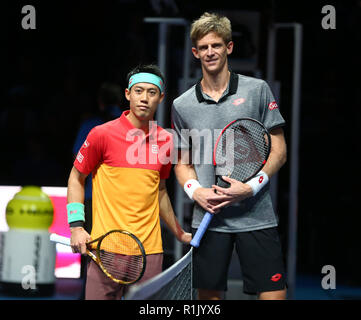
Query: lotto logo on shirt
[[238, 101], [273, 105]]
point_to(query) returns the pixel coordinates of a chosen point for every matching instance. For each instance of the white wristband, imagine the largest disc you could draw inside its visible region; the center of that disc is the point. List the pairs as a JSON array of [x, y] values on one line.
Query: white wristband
[[190, 186], [258, 182]]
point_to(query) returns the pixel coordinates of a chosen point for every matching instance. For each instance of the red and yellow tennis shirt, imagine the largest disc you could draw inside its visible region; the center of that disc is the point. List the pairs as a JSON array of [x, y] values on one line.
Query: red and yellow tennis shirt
[[127, 165]]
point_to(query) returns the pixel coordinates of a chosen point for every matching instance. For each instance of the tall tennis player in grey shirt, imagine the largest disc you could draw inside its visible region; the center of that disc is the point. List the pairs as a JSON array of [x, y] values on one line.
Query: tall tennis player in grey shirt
[[244, 217]]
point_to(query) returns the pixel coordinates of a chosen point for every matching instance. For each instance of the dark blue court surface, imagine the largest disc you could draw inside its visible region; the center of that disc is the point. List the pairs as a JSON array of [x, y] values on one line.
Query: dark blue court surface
[[308, 287]]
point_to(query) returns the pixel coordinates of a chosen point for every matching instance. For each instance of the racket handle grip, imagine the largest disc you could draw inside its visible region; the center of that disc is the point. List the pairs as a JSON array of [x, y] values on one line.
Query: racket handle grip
[[59, 239], [201, 229]]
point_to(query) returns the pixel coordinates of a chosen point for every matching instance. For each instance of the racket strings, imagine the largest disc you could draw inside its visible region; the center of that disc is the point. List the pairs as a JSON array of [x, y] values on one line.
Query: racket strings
[[121, 256], [242, 150], [122, 267]]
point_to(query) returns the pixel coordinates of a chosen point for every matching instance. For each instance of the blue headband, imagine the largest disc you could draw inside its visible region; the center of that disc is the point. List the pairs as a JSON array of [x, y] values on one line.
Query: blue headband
[[146, 77]]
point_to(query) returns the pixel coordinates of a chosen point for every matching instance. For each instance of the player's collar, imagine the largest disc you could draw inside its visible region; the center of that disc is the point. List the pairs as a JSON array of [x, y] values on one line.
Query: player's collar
[[232, 88], [127, 125]]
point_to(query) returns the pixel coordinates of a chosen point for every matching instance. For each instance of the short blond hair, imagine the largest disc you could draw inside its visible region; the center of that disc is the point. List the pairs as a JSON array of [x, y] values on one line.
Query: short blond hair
[[211, 22]]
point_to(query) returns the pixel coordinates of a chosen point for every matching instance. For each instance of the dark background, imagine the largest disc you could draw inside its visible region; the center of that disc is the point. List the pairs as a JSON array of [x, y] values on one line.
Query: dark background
[[50, 77]]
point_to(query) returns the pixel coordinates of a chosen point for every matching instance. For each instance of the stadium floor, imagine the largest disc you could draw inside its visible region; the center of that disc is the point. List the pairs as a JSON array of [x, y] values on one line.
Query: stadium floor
[[307, 288]]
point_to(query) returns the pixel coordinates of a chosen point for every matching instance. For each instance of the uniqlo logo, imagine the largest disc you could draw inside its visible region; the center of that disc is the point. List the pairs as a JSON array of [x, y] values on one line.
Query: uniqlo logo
[[79, 157], [155, 148]]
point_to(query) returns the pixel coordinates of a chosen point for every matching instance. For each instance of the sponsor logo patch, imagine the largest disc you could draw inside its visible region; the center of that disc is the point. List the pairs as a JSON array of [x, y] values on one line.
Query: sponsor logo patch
[[155, 148], [86, 144], [273, 105], [276, 277], [79, 157], [239, 101]]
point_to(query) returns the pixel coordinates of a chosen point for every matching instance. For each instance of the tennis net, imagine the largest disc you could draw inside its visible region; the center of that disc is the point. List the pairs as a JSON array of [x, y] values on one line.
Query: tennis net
[[175, 283]]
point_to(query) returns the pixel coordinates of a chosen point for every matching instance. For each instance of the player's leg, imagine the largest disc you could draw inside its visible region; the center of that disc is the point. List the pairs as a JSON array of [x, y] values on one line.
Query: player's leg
[[273, 295], [99, 286], [262, 263], [210, 264], [204, 294], [154, 266]]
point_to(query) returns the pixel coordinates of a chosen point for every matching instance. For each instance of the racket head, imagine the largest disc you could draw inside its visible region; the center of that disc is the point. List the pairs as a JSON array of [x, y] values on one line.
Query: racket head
[[241, 150], [121, 256]]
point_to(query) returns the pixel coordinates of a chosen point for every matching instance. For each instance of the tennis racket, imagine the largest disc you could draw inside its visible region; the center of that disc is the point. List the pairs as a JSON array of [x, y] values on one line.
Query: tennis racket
[[240, 152], [119, 254]]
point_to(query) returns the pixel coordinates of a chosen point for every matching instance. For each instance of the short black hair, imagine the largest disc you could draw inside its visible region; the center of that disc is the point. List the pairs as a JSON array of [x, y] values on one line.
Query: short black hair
[[149, 68]]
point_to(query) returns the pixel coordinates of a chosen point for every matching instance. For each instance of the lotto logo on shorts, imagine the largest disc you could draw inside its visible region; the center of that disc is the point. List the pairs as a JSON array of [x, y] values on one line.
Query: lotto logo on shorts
[[276, 277], [79, 157], [273, 105], [73, 211]]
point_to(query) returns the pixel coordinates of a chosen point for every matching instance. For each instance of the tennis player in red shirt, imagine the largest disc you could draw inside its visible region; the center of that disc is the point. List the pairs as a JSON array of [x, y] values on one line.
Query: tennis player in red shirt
[[130, 160]]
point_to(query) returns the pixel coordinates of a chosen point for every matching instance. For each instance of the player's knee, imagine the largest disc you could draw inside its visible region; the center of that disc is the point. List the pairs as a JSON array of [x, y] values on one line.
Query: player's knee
[[209, 294], [273, 295]]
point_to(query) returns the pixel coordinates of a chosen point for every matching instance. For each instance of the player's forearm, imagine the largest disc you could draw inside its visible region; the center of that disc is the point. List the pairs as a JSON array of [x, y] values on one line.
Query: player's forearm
[[278, 154], [184, 172], [184, 169], [76, 187], [167, 214], [75, 199]]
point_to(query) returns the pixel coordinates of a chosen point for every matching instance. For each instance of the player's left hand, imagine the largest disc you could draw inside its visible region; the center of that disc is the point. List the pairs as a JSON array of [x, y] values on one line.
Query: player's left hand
[[238, 191], [185, 237]]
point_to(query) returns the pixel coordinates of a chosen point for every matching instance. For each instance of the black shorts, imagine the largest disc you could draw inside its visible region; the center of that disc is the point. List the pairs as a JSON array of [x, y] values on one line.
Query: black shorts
[[260, 257]]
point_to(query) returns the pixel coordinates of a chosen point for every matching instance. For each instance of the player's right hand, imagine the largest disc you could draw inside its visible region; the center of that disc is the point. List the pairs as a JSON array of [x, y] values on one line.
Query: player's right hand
[[200, 195], [79, 239]]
